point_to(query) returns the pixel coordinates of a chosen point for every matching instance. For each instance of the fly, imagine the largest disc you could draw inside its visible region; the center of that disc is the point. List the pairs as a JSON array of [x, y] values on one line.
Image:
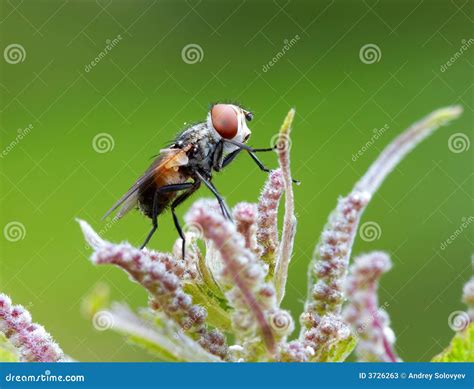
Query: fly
[[179, 170]]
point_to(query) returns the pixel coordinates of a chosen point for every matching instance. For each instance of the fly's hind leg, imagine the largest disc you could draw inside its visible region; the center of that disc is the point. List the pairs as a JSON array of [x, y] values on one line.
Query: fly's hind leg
[[154, 218], [180, 199]]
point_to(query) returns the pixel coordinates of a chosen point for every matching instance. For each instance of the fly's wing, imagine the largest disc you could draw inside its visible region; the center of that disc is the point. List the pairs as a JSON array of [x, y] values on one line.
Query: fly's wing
[[130, 198], [167, 160]]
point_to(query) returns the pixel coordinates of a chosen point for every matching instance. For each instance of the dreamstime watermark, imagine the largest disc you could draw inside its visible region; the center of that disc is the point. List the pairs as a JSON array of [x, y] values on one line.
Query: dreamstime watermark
[[107, 227], [288, 44], [281, 142], [459, 143], [14, 231], [458, 320], [370, 54], [103, 143], [466, 44], [379, 315], [110, 44], [194, 230], [103, 320], [193, 320], [192, 53], [21, 133], [370, 231], [465, 222], [45, 377], [378, 132], [14, 54]]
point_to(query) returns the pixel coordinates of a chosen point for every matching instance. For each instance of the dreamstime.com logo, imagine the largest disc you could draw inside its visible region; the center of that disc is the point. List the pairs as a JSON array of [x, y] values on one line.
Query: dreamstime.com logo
[[45, 377], [459, 143], [107, 227], [370, 231], [14, 231], [192, 53], [103, 321], [466, 44], [288, 44], [14, 54], [380, 315], [281, 142], [103, 143], [465, 222], [370, 54], [21, 134], [110, 44], [458, 320], [193, 229], [378, 132]]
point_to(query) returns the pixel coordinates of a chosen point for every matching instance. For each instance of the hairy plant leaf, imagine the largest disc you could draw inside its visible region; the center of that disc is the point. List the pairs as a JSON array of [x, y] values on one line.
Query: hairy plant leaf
[[341, 350], [461, 348], [96, 300], [336, 352], [217, 316], [153, 348], [7, 351]]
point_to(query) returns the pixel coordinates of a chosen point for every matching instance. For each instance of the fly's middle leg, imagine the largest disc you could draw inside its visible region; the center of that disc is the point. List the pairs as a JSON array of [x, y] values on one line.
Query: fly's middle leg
[[220, 200]]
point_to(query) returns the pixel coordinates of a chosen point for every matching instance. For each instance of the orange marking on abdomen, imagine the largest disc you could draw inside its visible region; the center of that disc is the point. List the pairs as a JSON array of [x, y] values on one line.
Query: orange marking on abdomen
[[164, 177]]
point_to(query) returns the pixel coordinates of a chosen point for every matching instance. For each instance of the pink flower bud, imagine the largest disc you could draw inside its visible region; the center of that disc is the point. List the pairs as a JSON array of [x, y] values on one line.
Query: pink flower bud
[[33, 342], [369, 322]]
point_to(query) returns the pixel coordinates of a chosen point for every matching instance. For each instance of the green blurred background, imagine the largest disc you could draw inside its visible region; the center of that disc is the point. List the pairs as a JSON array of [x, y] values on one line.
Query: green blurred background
[[142, 92]]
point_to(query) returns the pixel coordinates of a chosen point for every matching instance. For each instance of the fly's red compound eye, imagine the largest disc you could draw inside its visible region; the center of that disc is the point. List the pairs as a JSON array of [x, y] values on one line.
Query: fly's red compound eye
[[225, 121]]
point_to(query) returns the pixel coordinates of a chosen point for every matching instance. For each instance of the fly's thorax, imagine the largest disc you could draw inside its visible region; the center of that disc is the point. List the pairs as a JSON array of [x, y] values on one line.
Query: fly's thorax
[[203, 145]]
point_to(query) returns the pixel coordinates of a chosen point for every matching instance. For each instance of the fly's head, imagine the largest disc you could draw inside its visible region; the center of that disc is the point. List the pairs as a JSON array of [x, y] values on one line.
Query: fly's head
[[229, 121]]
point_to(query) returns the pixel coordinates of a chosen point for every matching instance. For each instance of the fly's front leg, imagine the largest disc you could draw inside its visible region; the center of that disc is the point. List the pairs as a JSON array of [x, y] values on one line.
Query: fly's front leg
[[251, 151], [243, 146], [229, 158], [265, 169], [259, 163]]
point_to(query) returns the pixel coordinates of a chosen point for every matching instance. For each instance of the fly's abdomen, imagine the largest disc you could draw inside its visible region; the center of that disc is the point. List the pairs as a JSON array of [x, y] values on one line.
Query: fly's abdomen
[[147, 198], [150, 189]]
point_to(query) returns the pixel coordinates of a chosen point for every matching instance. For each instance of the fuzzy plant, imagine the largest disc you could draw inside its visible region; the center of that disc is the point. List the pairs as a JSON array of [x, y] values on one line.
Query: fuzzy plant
[[222, 301], [369, 321], [22, 340]]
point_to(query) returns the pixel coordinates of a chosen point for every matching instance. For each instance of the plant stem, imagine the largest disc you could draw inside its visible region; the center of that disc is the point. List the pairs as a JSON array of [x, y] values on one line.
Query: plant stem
[[289, 219], [331, 256]]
